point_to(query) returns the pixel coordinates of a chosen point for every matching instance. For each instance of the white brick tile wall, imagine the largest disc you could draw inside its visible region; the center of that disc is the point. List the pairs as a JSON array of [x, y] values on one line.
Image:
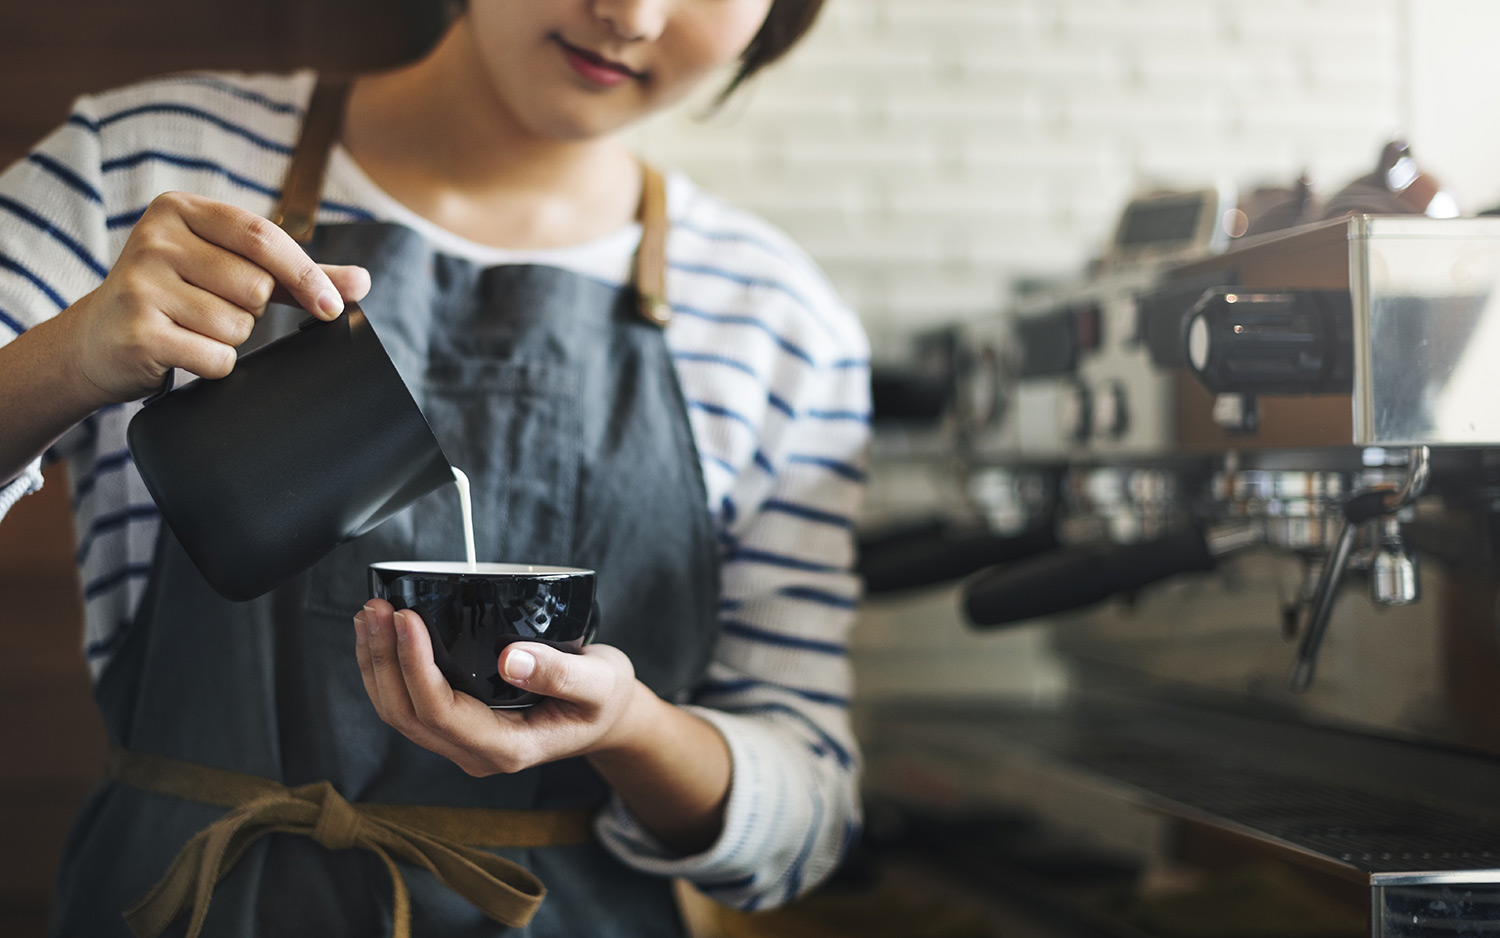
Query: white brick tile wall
[[928, 152]]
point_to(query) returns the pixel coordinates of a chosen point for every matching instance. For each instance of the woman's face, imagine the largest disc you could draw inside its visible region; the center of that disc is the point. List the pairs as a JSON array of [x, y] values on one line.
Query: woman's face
[[575, 69]]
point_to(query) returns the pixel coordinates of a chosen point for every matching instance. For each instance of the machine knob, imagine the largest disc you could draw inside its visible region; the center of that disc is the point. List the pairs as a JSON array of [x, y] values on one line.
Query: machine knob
[[1111, 418], [1272, 343], [1076, 414]]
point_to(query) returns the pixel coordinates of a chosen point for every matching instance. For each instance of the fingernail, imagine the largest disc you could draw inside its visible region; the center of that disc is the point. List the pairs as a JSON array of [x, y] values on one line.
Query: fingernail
[[361, 631], [330, 303], [519, 665]]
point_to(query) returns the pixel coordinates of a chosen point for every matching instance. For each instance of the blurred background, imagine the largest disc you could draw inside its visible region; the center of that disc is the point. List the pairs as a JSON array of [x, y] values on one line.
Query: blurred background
[[931, 155], [929, 152]]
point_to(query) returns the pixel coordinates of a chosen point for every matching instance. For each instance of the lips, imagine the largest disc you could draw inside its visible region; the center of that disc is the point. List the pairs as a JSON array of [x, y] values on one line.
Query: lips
[[595, 68]]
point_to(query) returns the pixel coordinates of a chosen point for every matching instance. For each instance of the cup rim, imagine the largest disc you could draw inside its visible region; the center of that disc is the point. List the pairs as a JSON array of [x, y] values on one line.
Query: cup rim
[[462, 568]]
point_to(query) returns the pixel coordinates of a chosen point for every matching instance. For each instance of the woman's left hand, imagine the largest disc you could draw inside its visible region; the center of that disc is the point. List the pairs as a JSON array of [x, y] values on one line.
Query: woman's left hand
[[590, 697]]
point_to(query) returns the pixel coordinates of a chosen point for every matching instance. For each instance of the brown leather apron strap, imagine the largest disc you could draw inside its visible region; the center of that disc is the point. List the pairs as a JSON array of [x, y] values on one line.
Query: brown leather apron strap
[[442, 840], [302, 191], [651, 255]]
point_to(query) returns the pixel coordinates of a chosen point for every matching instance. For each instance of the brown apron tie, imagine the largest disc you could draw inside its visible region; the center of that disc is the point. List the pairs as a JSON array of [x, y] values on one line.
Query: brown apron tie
[[302, 190], [444, 841]]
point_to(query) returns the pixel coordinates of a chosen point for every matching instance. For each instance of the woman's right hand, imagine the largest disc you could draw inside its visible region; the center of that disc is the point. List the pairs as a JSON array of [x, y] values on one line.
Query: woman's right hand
[[189, 285]]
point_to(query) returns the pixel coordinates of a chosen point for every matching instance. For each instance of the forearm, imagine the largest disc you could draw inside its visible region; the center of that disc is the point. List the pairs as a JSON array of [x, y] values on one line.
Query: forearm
[[672, 770], [42, 393]]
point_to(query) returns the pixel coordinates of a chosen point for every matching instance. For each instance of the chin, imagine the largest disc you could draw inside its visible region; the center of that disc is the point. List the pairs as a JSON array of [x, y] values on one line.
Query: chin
[[564, 123]]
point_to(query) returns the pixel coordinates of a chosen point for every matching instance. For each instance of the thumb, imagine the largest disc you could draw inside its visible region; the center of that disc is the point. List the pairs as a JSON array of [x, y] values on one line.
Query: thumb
[[586, 678], [351, 281]]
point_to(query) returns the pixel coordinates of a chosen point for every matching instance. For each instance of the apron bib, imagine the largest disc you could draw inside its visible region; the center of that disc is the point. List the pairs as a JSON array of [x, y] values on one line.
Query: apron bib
[[560, 401]]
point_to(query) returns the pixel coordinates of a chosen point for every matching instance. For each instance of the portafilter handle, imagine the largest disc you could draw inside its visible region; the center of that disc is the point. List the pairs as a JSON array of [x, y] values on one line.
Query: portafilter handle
[[1077, 577], [934, 553]]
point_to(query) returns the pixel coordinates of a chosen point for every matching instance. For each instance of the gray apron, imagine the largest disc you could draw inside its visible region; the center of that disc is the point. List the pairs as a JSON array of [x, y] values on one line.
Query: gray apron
[[561, 402]]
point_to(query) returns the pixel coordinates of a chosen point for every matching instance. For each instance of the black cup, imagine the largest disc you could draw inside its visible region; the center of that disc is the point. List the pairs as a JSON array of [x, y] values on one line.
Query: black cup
[[311, 441], [473, 613]]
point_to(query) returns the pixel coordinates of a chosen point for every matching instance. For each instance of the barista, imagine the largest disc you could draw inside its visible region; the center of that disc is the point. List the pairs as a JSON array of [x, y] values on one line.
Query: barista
[[702, 450]]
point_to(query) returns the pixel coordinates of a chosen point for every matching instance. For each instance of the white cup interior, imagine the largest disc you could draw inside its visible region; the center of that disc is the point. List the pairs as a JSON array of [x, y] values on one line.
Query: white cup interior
[[454, 567]]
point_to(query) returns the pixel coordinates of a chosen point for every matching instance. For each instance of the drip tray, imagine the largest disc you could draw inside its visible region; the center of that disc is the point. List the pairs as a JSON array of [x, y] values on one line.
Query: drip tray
[[1375, 811], [1386, 837]]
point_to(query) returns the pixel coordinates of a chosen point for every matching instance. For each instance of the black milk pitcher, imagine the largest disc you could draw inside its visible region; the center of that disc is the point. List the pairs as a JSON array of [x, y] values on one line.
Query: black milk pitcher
[[310, 441]]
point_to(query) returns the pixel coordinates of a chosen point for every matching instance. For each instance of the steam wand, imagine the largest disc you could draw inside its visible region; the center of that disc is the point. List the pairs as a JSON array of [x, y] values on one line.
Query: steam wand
[[1357, 510]]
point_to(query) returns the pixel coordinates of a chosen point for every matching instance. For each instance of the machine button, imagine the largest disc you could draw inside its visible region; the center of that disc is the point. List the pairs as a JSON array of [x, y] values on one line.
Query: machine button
[[1088, 327], [1271, 343]]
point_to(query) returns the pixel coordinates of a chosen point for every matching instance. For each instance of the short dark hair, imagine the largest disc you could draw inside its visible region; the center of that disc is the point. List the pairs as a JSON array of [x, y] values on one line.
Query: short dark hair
[[786, 23]]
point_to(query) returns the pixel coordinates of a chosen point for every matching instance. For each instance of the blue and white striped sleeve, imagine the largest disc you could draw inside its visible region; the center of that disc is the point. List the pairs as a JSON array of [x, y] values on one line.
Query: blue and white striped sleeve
[[53, 242], [779, 684]]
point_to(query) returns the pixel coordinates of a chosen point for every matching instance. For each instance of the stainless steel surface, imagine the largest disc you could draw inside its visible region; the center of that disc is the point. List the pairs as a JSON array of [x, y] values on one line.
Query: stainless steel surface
[[1295, 510], [1393, 572], [1426, 325], [1361, 524], [1418, 474], [1427, 330]]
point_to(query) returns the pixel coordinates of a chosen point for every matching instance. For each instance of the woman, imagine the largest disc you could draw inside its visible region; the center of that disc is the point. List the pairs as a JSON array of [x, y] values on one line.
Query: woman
[[702, 452]]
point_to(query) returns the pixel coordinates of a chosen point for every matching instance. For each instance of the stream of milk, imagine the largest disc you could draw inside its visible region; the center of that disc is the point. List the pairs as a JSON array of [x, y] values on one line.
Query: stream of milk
[[462, 481]]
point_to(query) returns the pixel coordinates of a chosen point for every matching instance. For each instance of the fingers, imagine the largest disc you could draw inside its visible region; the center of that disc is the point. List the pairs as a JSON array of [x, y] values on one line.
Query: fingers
[[209, 315], [380, 667], [408, 691], [223, 273], [203, 356], [589, 693], [362, 655], [432, 700], [378, 663], [265, 245], [352, 282], [190, 280], [248, 260]]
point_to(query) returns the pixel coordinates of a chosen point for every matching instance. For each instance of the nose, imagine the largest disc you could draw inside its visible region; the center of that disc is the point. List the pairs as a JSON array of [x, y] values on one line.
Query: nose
[[633, 19]]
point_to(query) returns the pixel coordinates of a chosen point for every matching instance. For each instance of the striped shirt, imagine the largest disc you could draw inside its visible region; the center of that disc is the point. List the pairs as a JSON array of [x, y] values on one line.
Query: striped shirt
[[773, 368]]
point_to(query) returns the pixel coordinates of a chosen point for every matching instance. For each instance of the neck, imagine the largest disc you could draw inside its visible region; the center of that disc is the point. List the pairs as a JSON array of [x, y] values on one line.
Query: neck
[[436, 136]]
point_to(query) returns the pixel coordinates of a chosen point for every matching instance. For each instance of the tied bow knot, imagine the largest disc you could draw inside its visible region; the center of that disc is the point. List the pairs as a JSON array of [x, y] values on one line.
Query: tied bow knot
[[500, 888], [338, 824]]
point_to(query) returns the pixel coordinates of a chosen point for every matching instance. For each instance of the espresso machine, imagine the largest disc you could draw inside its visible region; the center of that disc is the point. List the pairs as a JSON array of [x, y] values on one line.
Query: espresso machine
[[1252, 495]]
